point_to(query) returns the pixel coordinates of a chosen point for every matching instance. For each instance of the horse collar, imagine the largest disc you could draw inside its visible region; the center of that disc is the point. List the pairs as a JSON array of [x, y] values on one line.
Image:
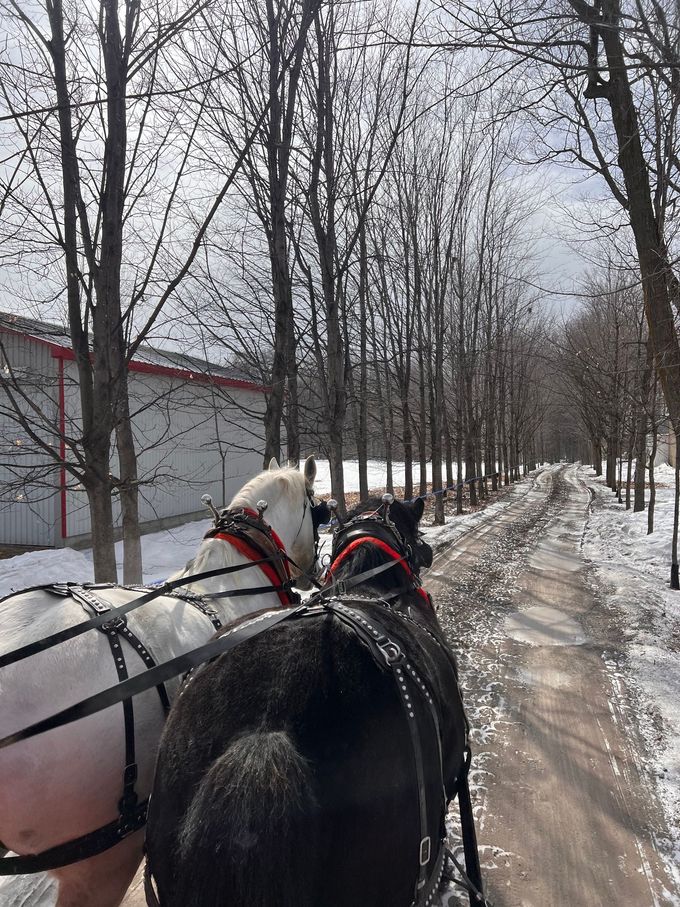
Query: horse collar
[[245, 530], [399, 559]]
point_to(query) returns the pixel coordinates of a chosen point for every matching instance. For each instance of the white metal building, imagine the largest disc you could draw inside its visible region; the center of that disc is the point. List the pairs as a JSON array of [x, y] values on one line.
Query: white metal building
[[198, 429]]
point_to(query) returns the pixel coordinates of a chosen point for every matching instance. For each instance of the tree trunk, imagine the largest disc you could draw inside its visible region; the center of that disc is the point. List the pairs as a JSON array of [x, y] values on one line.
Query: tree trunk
[[408, 449], [101, 520], [675, 575], [597, 456], [652, 256], [652, 458], [129, 498], [629, 469]]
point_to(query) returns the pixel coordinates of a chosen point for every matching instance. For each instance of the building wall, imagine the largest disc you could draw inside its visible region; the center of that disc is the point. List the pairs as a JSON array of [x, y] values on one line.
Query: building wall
[[192, 438], [29, 478]]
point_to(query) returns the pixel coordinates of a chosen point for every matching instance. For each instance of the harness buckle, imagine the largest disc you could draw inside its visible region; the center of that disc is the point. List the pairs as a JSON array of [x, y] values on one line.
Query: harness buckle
[[425, 851], [114, 625], [390, 650], [60, 589], [340, 587], [129, 800]]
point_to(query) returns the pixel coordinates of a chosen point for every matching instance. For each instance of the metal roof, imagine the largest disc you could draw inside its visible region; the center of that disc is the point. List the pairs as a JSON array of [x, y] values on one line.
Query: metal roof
[[148, 359]]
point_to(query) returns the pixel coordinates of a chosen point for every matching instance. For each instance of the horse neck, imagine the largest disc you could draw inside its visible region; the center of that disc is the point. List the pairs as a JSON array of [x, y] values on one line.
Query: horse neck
[[215, 554], [284, 516], [365, 558]]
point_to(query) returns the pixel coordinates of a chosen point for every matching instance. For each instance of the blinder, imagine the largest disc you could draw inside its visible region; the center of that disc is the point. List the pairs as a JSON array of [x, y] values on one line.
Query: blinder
[[321, 515]]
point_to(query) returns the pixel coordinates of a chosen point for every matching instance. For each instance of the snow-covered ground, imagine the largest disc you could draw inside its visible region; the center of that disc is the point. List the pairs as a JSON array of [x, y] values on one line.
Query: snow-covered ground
[[634, 570], [377, 475], [163, 552]]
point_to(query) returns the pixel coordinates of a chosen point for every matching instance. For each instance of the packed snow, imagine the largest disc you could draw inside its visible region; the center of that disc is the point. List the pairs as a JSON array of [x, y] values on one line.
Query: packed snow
[[634, 570]]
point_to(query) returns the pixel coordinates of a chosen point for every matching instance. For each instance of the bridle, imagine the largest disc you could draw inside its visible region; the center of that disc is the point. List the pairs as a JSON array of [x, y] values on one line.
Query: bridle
[[376, 529], [320, 515]]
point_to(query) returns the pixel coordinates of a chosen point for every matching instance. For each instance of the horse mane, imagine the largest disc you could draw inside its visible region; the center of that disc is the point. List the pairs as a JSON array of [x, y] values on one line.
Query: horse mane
[[368, 506], [366, 557], [253, 490]]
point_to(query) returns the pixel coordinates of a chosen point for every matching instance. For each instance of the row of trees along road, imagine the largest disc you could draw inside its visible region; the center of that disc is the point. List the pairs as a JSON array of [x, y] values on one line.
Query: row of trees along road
[[407, 260], [601, 85], [338, 193]]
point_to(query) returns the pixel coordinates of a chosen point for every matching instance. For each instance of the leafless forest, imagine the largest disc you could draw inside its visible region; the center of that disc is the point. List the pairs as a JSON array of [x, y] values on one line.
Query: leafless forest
[[349, 201]]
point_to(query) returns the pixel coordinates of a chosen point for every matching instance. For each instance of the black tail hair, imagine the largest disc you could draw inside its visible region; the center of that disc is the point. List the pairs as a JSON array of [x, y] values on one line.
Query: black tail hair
[[245, 837]]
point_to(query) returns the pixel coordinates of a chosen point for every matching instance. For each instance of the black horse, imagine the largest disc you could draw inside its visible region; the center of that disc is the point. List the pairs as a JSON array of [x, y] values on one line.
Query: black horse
[[288, 772]]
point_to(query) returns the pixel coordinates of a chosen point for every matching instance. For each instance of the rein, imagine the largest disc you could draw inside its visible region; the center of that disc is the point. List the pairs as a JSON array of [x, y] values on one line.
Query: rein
[[166, 588], [414, 584]]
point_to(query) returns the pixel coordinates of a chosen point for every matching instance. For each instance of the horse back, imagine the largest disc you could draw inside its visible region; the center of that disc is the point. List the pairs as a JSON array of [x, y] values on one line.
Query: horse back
[[313, 681]]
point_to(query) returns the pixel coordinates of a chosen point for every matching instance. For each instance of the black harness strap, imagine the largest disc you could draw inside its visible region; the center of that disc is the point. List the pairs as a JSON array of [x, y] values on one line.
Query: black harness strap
[[388, 654], [63, 589], [79, 848], [132, 812], [114, 630], [151, 678], [198, 602]]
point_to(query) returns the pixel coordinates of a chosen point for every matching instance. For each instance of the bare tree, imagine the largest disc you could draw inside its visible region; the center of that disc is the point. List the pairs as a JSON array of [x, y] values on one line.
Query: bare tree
[[101, 167]]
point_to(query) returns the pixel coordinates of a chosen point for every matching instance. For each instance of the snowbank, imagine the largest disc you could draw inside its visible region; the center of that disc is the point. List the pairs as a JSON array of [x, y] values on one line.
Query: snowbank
[[635, 569]]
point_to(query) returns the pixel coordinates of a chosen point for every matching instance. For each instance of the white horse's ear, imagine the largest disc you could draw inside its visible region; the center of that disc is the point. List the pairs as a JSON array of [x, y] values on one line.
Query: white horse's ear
[[310, 471], [273, 464]]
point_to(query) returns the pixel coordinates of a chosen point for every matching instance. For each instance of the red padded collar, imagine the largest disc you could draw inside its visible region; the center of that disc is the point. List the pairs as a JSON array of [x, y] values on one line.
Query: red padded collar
[[277, 577], [389, 550]]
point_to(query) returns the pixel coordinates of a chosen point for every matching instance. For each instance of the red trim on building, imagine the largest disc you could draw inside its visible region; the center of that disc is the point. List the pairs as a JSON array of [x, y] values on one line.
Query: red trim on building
[[149, 368]]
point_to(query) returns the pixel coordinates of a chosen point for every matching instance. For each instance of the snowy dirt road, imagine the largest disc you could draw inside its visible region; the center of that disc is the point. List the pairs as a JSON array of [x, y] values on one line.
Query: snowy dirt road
[[567, 810], [567, 813]]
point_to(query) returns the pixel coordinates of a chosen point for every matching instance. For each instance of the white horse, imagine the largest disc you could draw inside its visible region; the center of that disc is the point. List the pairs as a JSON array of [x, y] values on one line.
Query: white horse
[[67, 782]]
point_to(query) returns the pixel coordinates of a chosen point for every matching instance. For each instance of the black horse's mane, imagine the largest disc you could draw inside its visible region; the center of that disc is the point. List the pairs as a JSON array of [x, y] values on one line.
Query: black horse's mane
[[366, 557]]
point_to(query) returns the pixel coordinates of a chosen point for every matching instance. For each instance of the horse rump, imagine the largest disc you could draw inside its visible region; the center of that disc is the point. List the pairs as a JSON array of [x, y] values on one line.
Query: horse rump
[[244, 840]]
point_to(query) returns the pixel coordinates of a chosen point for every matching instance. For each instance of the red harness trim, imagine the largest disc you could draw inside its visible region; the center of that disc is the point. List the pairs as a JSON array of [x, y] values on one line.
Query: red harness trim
[[249, 551], [388, 549]]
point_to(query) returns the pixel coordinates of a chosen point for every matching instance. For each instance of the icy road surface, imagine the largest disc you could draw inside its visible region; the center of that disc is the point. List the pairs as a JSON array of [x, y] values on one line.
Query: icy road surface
[[567, 805]]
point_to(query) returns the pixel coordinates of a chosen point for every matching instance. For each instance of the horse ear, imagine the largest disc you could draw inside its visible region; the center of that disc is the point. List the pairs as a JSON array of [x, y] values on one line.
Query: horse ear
[[273, 464], [310, 471], [418, 506]]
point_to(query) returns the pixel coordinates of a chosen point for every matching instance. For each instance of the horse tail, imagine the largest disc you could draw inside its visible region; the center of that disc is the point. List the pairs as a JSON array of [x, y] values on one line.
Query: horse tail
[[245, 837]]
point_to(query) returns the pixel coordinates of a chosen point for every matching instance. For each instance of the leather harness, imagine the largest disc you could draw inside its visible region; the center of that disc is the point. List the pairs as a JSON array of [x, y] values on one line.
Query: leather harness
[[331, 599], [255, 539], [414, 693], [260, 544]]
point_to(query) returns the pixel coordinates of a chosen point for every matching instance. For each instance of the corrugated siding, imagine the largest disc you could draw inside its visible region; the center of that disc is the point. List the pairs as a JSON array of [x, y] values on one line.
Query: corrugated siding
[[29, 499], [192, 438]]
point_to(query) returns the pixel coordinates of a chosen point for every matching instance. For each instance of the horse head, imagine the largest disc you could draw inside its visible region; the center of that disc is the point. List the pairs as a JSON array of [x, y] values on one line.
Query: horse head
[[292, 511], [406, 518], [377, 535], [402, 519]]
